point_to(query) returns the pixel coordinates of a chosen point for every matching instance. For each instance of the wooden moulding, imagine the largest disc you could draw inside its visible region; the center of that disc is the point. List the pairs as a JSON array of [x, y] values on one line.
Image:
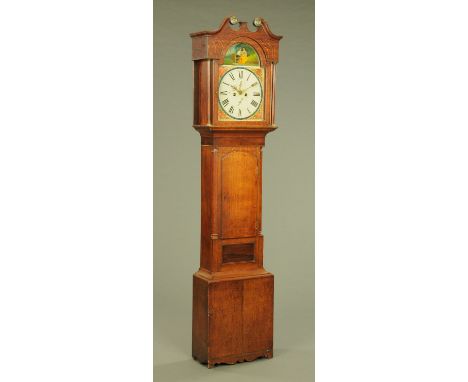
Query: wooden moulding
[[211, 44], [233, 137], [238, 358]]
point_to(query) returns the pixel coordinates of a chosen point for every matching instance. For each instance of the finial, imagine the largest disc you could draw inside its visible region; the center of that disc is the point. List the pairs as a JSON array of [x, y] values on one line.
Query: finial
[[257, 21], [233, 20]]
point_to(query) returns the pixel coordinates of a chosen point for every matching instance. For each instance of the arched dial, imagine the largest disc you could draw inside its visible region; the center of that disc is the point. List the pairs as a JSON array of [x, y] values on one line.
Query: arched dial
[[240, 93]]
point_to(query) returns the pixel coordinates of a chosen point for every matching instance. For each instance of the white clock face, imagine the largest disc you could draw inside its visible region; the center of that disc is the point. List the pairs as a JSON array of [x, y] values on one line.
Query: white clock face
[[240, 93]]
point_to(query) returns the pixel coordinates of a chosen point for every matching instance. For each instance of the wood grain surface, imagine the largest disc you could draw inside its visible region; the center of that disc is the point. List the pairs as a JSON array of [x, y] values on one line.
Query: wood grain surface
[[232, 292]]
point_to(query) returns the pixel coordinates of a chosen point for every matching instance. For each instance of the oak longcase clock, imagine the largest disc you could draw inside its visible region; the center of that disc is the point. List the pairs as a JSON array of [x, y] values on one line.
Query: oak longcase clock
[[234, 97]]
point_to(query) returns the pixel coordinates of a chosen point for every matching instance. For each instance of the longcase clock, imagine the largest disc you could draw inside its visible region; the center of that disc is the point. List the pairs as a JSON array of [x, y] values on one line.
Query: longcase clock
[[234, 97]]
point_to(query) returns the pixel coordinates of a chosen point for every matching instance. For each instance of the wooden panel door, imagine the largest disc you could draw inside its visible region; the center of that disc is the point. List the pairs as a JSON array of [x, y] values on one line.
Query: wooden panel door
[[258, 314], [225, 318], [239, 192]]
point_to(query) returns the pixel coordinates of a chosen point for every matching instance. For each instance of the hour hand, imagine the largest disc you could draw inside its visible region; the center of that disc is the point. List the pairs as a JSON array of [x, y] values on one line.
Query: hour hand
[[238, 89], [232, 86]]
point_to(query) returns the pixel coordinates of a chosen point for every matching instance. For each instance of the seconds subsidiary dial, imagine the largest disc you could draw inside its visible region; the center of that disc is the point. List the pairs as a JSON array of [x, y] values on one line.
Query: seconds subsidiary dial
[[240, 93]]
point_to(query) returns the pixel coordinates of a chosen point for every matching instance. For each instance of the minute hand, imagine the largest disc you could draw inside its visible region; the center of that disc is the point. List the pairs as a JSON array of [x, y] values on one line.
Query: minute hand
[[232, 86], [251, 86]]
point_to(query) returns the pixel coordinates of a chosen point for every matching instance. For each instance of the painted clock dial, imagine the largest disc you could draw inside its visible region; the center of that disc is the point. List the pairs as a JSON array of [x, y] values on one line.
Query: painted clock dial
[[240, 93]]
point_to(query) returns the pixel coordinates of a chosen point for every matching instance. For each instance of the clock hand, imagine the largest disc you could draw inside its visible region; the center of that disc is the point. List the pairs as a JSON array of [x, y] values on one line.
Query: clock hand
[[240, 88], [250, 86], [232, 86], [243, 90]]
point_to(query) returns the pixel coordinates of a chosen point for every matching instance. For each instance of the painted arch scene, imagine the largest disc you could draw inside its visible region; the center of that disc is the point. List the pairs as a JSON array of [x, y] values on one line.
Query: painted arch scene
[[241, 54]]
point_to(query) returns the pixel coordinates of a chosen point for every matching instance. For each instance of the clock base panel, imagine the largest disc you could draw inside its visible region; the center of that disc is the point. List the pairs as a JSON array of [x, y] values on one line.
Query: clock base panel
[[232, 319]]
